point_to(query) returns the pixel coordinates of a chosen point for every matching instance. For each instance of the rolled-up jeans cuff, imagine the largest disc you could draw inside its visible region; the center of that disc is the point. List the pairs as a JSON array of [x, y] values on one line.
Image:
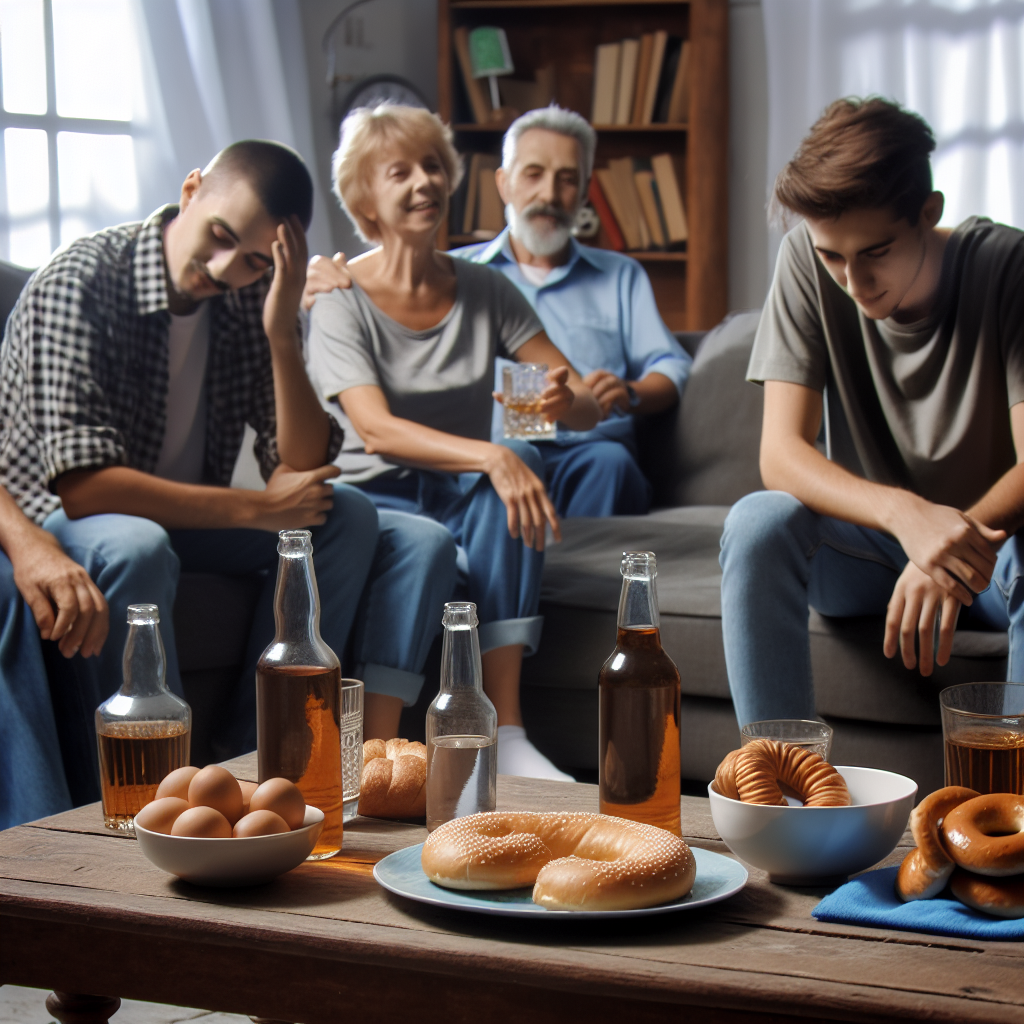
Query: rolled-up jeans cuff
[[507, 632], [392, 682]]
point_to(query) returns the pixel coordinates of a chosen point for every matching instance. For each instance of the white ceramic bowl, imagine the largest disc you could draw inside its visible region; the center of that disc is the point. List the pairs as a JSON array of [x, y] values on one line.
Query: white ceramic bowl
[[814, 844], [231, 862]]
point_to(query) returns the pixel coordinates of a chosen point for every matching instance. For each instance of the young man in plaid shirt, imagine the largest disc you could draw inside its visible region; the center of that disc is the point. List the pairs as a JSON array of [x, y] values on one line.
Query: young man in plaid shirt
[[130, 367]]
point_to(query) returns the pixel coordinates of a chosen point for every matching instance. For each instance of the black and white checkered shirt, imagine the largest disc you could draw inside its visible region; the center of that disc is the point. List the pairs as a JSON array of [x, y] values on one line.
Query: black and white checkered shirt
[[83, 368]]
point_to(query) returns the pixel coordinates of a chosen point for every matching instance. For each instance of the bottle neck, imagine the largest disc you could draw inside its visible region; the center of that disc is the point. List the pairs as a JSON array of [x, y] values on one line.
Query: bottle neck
[[461, 669], [296, 600], [638, 604], [145, 663]]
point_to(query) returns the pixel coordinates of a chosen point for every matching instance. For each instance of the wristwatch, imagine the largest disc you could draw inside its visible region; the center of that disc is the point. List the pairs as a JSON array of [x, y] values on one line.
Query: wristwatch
[[634, 398]]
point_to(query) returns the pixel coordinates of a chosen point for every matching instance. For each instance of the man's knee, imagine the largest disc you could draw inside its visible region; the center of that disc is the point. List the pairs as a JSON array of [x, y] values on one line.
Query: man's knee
[[354, 514], [423, 544], [760, 522]]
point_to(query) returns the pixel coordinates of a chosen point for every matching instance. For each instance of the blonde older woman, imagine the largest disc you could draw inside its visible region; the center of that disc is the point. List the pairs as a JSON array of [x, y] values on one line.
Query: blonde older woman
[[408, 353]]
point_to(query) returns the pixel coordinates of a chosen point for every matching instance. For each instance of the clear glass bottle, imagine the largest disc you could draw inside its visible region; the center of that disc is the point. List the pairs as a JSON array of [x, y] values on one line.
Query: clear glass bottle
[[298, 694], [143, 731], [462, 726], [639, 708]]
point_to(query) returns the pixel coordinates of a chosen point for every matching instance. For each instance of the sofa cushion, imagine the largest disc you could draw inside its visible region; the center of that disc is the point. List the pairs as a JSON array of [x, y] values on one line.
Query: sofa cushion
[[705, 451]]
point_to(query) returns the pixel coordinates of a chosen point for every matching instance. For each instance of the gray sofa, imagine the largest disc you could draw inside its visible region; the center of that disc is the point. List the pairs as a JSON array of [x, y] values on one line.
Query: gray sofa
[[700, 459]]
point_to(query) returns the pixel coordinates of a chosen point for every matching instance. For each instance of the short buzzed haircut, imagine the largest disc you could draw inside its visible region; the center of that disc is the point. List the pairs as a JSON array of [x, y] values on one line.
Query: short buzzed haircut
[[277, 174], [860, 154]]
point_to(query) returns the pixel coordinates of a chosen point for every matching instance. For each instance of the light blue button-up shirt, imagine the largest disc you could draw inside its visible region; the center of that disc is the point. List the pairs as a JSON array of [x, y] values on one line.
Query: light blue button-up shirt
[[599, 310]]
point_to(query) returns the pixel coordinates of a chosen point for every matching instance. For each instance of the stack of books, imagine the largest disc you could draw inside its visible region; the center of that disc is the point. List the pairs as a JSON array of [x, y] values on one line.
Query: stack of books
[[642, 81], [640, 204]]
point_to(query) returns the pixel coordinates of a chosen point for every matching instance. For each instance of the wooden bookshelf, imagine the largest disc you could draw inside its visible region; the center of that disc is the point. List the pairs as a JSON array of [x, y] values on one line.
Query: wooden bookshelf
[[691, 287]]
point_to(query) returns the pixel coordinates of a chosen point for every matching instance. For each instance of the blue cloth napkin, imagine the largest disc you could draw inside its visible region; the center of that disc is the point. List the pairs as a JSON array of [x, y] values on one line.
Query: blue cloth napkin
[[871, 899]]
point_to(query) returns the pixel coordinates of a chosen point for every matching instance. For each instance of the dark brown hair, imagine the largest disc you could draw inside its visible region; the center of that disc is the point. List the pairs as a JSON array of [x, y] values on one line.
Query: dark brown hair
[[860, 154]]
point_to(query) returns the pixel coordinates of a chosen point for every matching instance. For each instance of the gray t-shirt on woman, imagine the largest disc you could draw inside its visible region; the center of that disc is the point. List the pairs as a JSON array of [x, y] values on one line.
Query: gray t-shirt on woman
[[441, 377], [923, 406]]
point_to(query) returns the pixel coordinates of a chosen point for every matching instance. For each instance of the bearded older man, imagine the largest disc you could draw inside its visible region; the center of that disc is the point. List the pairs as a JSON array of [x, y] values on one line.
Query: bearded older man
[[596, 306]]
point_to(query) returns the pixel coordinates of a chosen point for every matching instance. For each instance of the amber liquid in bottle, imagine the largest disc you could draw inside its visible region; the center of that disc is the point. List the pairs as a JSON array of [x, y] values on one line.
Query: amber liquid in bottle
[[639, 711], [299, 711]]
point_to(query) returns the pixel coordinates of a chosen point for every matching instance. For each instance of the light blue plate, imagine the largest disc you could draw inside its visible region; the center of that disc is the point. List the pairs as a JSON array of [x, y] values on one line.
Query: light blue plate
[[718, 878]]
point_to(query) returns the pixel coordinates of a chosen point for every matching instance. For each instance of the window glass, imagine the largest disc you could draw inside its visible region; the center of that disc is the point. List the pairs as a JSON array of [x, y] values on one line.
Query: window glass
[[24, 56], [94, 48], [97, 182], [28, 195]]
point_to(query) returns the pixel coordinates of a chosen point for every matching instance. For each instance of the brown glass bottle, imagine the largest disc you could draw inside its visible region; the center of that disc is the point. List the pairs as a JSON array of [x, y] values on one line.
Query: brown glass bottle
[[298, 694], [639, 708]]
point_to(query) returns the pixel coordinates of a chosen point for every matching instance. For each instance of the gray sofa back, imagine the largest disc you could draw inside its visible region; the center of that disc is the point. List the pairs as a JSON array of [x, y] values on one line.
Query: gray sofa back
[[705, 451]]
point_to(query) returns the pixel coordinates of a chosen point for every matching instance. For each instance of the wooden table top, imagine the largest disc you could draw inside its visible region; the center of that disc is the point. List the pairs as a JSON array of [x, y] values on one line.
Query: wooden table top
[[83, 911]]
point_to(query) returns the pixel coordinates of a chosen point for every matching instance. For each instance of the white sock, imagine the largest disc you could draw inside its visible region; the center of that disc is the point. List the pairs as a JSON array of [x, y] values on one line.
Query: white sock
[[518, 756]]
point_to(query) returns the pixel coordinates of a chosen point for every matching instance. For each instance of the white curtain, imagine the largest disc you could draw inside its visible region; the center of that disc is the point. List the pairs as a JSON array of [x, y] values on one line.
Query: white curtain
[[958, 63], [216, 71]]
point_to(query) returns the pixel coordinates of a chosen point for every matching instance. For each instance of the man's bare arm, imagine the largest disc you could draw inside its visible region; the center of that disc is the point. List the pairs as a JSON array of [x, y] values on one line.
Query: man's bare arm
[[957, 552], [67, 606], [303, 429], [292, 500], [655, 392], [1002, 507]]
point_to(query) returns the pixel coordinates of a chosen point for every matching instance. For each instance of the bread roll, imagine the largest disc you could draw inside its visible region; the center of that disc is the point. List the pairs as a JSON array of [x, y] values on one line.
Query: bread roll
[[394, 780]]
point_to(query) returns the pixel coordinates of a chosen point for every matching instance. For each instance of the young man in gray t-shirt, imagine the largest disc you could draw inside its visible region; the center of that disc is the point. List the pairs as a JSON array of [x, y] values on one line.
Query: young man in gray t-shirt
[[909, 340]]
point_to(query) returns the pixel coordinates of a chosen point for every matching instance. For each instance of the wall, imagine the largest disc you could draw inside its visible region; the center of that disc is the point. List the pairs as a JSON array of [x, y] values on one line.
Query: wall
[[396, 37], [411, 51]]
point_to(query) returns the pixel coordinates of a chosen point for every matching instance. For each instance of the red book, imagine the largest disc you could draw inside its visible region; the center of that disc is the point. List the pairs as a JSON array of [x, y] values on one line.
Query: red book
[[604, 214]]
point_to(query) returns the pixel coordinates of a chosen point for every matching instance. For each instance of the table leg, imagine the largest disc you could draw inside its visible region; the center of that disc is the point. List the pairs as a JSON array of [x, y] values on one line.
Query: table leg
[[70, 1008]]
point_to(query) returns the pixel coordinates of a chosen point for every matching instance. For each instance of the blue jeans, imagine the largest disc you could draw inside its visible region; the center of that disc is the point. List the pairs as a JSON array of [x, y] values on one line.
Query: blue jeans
[[779, 558], [134, 560], [32, 783], [497, 572], [594, 478]]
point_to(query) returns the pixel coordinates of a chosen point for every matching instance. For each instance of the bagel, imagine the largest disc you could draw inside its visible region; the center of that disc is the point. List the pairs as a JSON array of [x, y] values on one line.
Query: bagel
[[394, 779], [926, 870], [758, 772], [574, 861], [1001, 897], [986, 834]]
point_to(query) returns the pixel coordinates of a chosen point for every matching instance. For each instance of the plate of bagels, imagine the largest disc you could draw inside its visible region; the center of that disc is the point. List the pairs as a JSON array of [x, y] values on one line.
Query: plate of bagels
[[564, 863]]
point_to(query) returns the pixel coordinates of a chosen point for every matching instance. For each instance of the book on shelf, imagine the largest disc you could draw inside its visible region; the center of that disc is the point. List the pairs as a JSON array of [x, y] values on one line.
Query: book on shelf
[[604, 214], [641, 81], [476, 207], [671, 197], [478, 99], [606, 83], [639, 203]]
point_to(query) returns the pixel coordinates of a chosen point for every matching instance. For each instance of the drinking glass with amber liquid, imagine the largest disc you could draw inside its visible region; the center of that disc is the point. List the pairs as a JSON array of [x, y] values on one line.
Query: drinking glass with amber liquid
[[143, 731], [983, 736], [639, 708], [298, 694]]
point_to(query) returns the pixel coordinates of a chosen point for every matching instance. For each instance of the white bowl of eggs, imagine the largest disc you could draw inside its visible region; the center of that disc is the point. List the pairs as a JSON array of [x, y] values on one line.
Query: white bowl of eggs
[[208, 828], [809, 845]]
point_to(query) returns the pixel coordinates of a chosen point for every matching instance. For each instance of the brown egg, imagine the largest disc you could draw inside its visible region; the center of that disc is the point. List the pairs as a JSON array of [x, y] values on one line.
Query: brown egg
[[216, 787], [176, 783], [160, 815], [248, 788], [282, 797], [259, 823], [202, 823]]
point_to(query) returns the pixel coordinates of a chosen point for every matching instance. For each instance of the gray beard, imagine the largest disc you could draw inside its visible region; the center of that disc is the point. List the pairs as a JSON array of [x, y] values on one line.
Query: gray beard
[[540, 242]]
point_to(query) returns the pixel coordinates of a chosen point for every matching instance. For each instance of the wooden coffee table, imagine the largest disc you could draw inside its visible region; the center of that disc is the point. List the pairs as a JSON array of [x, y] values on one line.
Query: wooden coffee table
[[82, 911]]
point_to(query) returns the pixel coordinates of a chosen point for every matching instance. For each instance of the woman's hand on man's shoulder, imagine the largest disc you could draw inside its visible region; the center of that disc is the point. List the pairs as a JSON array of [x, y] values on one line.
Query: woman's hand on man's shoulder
[[324, 275]]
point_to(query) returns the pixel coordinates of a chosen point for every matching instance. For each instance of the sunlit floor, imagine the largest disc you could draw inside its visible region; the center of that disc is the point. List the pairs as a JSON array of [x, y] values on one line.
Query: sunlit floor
[[28, 1006]]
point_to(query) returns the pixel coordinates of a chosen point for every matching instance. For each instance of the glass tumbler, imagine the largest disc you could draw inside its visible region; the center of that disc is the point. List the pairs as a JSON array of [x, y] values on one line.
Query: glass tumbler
[[816, 736], [983, 735], [521, 386], [351, 745]]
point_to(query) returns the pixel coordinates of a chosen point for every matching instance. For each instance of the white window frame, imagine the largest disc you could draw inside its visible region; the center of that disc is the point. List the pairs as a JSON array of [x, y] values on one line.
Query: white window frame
[[52, 123]]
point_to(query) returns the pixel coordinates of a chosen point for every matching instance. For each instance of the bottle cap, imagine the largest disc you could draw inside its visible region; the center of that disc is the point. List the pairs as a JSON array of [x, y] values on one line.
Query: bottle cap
[[639, 565], [143, 614], [460, 615], [295, 543]]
